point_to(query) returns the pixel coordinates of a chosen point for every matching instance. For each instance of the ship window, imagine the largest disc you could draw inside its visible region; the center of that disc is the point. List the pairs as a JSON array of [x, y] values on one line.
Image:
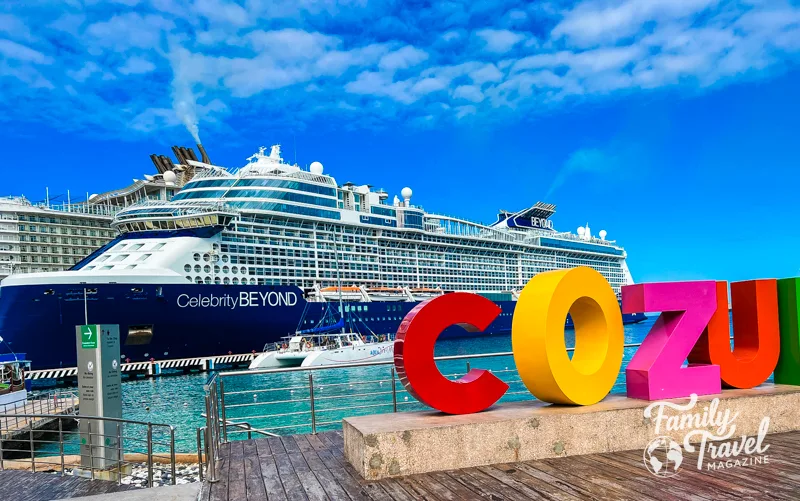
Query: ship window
[[207, 269], [196, 256], [198, 280], [216, 269], [225, 269], [130, 267], [243, 270], [106, 267], [226, 281], [120, 257], [197, 268], [206, 257], [189, 278], [120, 247], [90, 268], [217, 280], [102, 258], [235, 281], [208, 280], [158, 246], [187, 268], [136, 247], [235, 270], [144, 257], [225, 259]]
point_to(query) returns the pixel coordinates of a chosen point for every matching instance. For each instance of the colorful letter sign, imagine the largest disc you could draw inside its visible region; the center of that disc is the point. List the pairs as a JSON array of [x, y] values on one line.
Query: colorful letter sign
[[788, 369], [413, 354], [693, 325], [537, 336], [655, 371], [756, 332]]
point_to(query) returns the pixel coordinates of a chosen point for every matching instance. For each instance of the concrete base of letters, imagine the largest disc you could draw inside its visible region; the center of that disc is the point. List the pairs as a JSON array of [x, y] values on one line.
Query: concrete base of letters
[[383, 446]]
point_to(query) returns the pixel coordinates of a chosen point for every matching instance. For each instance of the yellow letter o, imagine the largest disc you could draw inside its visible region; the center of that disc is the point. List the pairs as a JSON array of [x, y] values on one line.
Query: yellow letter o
[[537, 336]]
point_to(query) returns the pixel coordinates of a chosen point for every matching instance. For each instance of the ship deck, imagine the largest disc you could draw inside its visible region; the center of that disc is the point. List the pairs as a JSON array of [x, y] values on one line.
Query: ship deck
[[313, 467]]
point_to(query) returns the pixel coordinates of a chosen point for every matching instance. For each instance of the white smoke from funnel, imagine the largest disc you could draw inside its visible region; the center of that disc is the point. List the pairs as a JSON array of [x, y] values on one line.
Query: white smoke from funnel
[[184, 101], [185, 106]]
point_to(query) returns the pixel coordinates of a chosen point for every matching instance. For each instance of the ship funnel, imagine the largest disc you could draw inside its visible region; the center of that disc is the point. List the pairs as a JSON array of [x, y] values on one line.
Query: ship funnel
[[166, 163], [157, 162], [203, 154], [179, 155], [189, 154]]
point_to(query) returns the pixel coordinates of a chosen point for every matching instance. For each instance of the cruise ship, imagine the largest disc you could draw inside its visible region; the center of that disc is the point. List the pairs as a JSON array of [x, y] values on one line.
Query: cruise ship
[[242, 257]]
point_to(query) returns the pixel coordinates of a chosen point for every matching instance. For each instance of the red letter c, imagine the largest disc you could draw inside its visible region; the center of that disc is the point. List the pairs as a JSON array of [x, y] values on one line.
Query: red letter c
[[413, 354]]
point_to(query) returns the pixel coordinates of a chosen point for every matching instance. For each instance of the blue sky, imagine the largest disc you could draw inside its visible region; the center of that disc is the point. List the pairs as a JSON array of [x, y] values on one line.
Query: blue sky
[[672, 124]]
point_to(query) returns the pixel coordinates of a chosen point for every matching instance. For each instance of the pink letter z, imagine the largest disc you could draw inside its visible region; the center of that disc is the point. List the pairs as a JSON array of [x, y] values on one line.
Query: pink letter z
[[656, 370]]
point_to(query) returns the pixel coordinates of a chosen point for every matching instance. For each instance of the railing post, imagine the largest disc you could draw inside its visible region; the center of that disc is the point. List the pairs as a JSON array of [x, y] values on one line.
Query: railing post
[[468, 368], [61, 443], [172, 452], [91, 448], [224, 420], [120, 454], [394, 392], [311, 396], [2, 467], [150, 454], [33, 462], [199, 454]]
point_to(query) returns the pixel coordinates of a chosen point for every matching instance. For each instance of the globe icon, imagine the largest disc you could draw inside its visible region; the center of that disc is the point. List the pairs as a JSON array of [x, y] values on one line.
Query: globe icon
[[663, 456]]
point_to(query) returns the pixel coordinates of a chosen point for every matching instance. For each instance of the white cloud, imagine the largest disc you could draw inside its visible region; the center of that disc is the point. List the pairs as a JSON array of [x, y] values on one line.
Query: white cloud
[[403, 58], [469, 92], [136, 66], [295, 61], [499, 41], [595, 21], [19, 52]]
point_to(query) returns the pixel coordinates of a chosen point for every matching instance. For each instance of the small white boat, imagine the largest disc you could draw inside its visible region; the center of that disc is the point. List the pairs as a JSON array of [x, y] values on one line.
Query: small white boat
[[326, 345]]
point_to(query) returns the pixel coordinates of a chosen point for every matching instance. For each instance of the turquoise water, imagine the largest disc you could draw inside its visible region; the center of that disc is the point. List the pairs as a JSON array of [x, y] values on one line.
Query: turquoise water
[[279, 403]]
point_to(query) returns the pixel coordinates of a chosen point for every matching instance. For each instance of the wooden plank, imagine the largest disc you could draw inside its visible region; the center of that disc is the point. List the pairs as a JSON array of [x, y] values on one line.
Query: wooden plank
[[550, 487], [270, 479], [354, 490], [313, 460], [276, 445], [253, 480], [262, 447], [449, 483], [298, 462], [311, 486], [395, 490], [435, 488], [329, 485], [289, 444], [219, 490], [652, 485], [316, 442], [522, 490], [237, 489], [302, 442]]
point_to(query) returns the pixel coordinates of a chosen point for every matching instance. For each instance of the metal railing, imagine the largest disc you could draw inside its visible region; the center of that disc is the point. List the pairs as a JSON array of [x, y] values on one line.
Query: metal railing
[[45, 403], [54, 445], [312, 399]]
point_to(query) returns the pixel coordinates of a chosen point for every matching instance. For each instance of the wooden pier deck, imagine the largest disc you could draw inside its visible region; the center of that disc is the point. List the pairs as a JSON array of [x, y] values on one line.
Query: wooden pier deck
[[313, 467], [27, 486], [12, 425]]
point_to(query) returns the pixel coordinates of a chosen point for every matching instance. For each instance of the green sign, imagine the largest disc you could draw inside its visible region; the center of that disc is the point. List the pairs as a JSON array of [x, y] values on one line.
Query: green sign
[[89, 337]]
